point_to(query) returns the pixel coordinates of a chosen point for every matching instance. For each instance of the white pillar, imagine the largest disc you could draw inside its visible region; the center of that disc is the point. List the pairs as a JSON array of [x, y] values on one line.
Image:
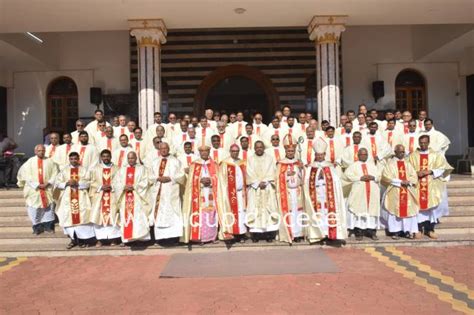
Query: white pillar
[[150, 35], [326, 32]]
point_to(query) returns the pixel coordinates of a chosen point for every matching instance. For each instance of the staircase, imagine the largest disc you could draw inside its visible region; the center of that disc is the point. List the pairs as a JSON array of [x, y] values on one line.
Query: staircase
[[16, 238]]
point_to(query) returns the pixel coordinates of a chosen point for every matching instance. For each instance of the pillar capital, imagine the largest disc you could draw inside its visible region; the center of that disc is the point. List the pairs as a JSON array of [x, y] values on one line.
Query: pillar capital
[[148, 32], [326, 28]]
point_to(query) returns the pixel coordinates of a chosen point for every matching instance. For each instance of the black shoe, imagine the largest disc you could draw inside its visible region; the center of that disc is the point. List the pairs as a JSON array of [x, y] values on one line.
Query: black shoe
[[71, 245]]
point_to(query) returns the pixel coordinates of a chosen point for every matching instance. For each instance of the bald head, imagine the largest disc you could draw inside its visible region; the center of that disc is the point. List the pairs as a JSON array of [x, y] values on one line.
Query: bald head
[[40, 151]]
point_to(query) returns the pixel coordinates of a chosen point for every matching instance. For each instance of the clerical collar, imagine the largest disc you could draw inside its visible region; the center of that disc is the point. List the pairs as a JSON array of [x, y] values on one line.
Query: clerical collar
[[424, 152], [107, 165]]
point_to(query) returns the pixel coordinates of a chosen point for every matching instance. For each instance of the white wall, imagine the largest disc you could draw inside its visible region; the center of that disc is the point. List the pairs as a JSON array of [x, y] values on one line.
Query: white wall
[[380, 53], [91, 59]]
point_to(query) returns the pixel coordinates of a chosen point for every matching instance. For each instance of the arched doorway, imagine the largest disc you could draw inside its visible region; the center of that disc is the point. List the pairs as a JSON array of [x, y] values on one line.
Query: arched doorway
[[410, 91], [237, 88], [62, 109]]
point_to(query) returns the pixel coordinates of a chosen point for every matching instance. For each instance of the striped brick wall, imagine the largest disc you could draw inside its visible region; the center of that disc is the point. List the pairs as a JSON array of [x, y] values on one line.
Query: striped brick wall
[[285, 55]]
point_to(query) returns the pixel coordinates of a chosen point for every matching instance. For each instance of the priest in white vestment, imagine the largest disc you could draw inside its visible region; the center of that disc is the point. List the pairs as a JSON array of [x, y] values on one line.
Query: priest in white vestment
[[36, 176], [74, 205], [399, 203], [131, 190], [275, 149], [438, 141], [105, 215], [119, 156], [88, 154], [232, 173], [263, 218], [61, 157], [363, 203], [165, 176]]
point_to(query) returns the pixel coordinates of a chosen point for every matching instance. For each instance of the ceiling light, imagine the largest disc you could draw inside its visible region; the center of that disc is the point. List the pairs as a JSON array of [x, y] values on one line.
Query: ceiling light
[[33, 36], [239, 10]]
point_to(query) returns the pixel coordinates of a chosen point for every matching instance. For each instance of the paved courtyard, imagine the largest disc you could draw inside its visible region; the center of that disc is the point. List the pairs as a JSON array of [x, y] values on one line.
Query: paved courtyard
[[373, 280]]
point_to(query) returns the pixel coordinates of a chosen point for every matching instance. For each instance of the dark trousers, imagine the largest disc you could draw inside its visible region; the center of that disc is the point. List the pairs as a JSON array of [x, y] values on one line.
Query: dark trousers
[[426, 227]]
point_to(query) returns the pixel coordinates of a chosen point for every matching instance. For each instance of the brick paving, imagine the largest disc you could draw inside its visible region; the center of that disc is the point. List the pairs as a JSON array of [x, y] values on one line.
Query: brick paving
[[131, 284]]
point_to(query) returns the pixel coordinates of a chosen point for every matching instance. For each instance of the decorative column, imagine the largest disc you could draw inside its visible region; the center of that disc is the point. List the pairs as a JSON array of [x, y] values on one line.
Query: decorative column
[[326, 32], [150, 35]]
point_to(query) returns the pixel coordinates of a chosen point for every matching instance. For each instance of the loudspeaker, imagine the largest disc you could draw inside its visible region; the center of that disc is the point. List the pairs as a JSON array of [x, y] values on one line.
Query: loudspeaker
[[96, 95], [378, 89]]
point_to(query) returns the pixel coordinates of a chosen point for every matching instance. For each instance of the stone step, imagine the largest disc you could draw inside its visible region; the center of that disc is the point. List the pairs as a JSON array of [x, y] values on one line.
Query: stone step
[[12, 202], [58, 248], [456, 191]]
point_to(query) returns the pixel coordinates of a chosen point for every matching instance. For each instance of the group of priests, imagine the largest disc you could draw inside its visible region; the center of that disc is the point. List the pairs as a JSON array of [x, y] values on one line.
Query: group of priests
[[218, 177]]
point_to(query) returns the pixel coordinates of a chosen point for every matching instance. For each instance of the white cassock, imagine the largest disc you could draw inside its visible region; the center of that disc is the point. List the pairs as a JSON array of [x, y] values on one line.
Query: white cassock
[[151, 157], [138, 146], [119, 156], [363, 203], [410, 142], [271, 131], [334, 149], [93, 127], [438, 141], [392, 137], [51, 151], [61, 156], [166, 214], [134, 206], [226, 140], [104, 214], [379, 149], [74, 205], [345, 139], [204, 135], [277, 153], [324, 203], [218, 155], [39, 203], [88, 155], [260, 130], [262, 213], [238, 129], [110, 144], [232, 202], [349, 154]]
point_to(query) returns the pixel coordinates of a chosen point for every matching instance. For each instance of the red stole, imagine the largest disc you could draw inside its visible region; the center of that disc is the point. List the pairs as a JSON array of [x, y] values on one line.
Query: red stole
[[44, 199], [215, 155], [405, 128], [68, 148], [129, 203], [348, 141], [258, 130], [161, 171], [309, 149], [423, 194], [81, 154], [105, 200], [411, 144], [331, 204], [244, 155], [284, 196], [367, 184], [120, 160], [53, 150], [277, 154], [403, 196], [183, 137], [109, 144], [221, 135], [203, 136], [122, 131], [232, 194], [137, 148], [373, 146], [74, 197], [239, 129], [332, 153], [356, 149], [390, 136], [195, 198], [189, 160]]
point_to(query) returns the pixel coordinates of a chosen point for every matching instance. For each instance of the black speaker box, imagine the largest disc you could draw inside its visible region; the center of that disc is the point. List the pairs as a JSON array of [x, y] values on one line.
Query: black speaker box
[[96, 95], [378, 89]]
